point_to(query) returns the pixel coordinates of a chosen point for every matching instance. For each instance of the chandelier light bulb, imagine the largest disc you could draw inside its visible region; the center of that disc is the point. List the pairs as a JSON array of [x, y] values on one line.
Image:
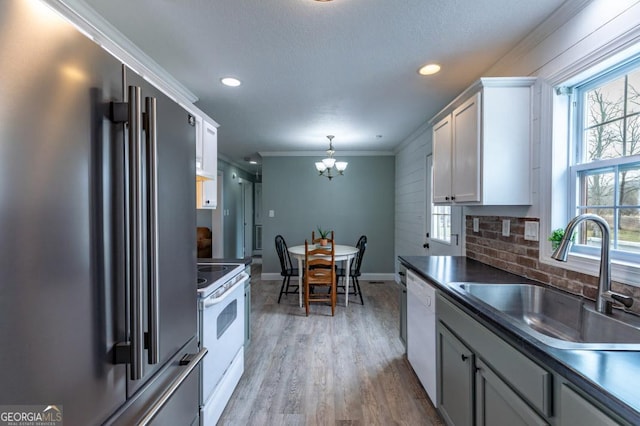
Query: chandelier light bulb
[[329, 162], [325, 166], [341, 166]]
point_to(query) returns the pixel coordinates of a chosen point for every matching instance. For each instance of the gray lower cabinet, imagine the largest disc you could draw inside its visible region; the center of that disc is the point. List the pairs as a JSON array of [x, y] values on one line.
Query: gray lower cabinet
[[484, 381], [455, 379], [577, 410], [465, 378], [498, 404], [403, 315]]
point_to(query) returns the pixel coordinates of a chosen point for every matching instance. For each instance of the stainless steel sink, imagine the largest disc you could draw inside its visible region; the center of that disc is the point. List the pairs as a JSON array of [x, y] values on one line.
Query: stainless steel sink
[[558, 319]]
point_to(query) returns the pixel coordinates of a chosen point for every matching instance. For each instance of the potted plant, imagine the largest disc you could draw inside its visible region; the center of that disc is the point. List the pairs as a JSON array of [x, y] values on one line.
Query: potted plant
[[323, 236]]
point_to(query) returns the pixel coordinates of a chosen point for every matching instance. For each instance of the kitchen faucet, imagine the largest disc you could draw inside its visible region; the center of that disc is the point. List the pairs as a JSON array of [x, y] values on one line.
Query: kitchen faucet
[[605, 296]]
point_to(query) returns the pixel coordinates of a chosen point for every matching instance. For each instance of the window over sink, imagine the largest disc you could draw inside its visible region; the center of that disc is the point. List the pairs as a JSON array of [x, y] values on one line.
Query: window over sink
[[605, 165], [594, 161]]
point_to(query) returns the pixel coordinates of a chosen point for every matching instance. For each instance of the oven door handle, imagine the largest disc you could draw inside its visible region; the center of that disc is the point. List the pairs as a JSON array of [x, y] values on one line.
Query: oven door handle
[[210, 301]]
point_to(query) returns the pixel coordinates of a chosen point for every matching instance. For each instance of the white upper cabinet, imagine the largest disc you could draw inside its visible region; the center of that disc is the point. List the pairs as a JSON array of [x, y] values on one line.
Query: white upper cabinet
[[482, 145], [207, 150], [442, 152], [207, 166]]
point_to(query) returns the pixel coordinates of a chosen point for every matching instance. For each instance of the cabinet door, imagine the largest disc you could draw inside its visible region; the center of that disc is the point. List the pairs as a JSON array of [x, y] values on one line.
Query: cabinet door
[[455, 379], [199, 144], [209, 194], [442, 161], [403, 316], [497, 404], [210, 150], [576, 410], [467, 135]]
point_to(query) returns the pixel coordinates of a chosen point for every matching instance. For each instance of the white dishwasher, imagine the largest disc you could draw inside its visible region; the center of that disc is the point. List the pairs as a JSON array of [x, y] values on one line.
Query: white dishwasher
[[421, 332]]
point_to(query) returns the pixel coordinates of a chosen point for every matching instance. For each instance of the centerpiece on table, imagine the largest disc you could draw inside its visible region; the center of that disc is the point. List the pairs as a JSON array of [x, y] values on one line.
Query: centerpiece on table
[[324, 233]]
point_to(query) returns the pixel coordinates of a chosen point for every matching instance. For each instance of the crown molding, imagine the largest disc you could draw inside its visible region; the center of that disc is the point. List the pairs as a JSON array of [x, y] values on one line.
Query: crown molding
[[424, 127], [94, 26], [556, 20], [324, 153]]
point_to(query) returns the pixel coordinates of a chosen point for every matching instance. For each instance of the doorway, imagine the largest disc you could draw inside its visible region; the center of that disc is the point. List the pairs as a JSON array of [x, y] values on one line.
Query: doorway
[[247, 218], [443, 226]]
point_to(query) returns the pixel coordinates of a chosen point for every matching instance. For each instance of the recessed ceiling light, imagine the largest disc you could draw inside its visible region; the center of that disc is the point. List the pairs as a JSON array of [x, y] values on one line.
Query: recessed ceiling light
[[429, 69], [230, 81]]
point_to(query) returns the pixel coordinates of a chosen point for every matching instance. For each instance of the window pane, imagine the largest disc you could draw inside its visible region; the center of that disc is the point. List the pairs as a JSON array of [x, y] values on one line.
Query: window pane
[[604, 141], [589, 232], [605, 102], [633, 92], [441, 223], [629, 181], [597, 189], [629, 230], [632, 144]]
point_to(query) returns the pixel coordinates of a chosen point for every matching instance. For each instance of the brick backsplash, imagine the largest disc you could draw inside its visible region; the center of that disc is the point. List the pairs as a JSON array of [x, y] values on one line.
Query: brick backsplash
[[519, 256]]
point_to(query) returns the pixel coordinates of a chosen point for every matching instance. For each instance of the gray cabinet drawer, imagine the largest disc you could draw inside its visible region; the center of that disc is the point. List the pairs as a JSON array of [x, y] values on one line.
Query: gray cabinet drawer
[[528, 379]]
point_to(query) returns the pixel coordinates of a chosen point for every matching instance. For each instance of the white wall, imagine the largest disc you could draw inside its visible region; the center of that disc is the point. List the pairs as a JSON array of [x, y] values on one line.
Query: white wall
[[410, 199], [577, 36]]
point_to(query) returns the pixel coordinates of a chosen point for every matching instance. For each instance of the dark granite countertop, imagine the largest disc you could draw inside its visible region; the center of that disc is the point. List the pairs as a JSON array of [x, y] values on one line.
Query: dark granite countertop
[[611, 377], [244, 261]]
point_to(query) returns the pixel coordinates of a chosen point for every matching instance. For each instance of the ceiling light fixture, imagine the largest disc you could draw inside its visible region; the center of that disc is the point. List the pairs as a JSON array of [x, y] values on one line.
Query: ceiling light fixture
[[429, 69], [230, 81], [325, 166]]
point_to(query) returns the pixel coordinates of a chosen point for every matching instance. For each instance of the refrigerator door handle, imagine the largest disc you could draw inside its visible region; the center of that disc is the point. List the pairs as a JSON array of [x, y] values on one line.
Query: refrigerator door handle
[[152, 178], [191, 361], [136, 234]]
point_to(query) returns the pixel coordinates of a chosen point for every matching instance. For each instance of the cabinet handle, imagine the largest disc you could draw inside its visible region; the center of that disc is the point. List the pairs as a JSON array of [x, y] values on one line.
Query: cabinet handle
[[446, 198], [464, 357], [453, 197]]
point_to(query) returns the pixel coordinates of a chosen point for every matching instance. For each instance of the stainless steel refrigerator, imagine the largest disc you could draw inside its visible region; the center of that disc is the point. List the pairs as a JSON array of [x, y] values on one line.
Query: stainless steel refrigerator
[[97, 232]]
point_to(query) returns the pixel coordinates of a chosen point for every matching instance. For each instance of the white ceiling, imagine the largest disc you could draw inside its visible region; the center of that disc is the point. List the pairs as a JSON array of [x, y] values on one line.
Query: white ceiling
[[309, 69]]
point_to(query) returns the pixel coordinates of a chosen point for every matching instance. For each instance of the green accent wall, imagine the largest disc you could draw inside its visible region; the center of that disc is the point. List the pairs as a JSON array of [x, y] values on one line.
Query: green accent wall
[[359, 203]]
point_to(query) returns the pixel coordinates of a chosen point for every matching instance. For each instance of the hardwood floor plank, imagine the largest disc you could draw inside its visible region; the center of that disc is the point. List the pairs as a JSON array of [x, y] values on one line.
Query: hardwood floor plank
[[349, 369]]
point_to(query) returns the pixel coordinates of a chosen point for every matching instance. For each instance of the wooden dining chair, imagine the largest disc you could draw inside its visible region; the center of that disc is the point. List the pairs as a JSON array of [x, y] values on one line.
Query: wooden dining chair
[[319, 270]]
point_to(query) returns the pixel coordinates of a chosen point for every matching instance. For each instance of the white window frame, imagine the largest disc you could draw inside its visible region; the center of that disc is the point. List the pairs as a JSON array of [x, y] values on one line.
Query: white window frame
[[555, 180], [577, 148]]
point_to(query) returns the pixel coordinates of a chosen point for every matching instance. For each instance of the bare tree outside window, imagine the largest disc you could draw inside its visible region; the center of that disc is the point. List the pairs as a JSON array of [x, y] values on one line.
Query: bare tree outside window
[[611, 130]]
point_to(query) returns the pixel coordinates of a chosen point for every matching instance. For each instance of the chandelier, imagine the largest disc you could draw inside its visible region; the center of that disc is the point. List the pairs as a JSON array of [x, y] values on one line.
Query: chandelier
[[325, 166]]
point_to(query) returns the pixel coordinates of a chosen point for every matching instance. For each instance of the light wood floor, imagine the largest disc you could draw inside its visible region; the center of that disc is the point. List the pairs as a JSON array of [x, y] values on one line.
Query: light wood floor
[[321, 370]]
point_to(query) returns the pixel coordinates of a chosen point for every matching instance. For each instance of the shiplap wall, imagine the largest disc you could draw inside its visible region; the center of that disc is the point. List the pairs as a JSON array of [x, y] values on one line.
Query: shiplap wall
[[411, 164]]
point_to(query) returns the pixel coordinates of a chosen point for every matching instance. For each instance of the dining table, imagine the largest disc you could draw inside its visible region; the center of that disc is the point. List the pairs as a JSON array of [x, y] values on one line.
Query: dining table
[[342, 253]]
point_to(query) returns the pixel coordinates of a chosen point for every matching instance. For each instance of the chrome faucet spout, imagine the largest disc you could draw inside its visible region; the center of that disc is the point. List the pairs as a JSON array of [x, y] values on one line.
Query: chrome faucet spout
[[605, 296]]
